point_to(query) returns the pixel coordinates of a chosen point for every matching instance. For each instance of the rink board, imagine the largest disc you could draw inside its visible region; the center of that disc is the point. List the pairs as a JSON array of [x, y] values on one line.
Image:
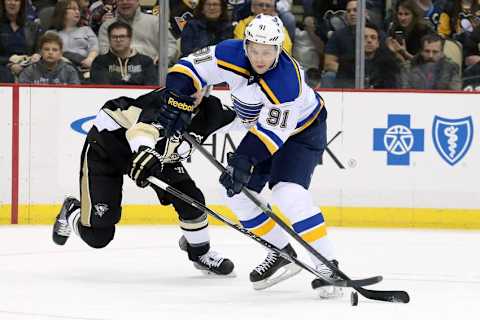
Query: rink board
[[6, 110], [397, 171]]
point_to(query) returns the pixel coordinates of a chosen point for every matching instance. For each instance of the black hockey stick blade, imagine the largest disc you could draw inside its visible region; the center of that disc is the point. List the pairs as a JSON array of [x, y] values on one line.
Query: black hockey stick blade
[[387, 295], [362, 282]]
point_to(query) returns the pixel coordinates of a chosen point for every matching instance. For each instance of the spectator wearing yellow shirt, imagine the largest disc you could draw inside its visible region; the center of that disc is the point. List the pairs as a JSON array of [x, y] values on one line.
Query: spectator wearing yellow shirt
[[265, 7]]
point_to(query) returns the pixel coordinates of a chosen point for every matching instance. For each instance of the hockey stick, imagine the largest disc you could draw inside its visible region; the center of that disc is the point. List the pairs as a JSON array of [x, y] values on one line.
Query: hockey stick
[[200, 206], [390, 296]]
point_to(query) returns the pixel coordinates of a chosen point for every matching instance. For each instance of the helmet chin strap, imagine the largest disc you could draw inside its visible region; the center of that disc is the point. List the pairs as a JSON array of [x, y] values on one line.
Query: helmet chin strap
[[279, 50]]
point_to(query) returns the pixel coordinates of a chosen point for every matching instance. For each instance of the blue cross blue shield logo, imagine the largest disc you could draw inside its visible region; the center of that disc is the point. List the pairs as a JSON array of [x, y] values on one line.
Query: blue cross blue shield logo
[[398, 140], [452, 137]]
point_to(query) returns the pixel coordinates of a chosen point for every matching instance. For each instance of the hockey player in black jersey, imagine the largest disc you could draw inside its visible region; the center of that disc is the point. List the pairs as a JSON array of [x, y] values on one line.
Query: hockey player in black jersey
[[129, 136]]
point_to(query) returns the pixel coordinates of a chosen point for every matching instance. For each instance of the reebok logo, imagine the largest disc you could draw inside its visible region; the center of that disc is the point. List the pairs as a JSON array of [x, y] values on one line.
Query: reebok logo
[[179, 105]]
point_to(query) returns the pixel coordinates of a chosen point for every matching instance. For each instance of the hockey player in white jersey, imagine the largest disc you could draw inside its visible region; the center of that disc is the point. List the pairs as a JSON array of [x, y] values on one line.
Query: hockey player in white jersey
[[285, 140]]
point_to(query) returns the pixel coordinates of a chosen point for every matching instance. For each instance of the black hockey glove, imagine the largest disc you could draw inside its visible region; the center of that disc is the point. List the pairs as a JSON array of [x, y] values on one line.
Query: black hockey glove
[[175, 113], [144, 162], [237, 175]]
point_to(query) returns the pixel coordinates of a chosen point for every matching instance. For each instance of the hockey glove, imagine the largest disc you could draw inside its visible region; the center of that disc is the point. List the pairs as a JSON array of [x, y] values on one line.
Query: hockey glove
[[144, 162], [175, 113], [237, 175]]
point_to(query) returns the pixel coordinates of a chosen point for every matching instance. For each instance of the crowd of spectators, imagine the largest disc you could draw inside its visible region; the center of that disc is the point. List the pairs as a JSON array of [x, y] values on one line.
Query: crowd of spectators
[[410, 44]]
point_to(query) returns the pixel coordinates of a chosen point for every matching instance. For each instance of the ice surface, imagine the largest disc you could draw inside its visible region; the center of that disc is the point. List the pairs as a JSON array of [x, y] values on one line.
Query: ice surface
[[143, 275]]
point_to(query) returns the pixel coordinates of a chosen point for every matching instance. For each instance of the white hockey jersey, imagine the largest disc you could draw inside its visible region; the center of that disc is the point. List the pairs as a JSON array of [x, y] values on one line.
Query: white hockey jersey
[[274, 105]]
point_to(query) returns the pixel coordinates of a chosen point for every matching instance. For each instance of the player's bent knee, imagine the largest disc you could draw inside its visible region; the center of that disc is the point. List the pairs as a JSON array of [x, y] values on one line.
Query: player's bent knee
[[96, 237], [104, 218]]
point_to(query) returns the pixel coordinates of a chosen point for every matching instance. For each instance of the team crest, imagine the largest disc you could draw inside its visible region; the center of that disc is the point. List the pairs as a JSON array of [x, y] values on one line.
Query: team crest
[[100, 209], [452, 137]]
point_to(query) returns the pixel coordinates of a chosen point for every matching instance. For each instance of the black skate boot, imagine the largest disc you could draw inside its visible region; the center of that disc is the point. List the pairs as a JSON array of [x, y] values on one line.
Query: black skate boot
[[274, 269], [324, 289], [211, 262], [61, 229]]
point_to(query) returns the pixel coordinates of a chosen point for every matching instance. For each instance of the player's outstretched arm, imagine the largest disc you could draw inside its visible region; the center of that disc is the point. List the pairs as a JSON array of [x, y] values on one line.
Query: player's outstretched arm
[[172, 111]]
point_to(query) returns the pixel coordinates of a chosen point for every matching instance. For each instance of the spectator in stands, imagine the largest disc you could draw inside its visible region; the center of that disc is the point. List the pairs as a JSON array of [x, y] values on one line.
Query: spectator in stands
[[80, 44], [406, 30], [100, 11], [122, 65], [376, 12], [210, 26], [318, 25], [341, 44], [51, 69], [431, 11], [459, 16], [181, 12], [257, 7], [471, 78], [241, 9], [382, 70], [85, 13], [42, 4], [471, 48], [145, 36], [283, 8], [314, 16], [31, 11], [430, 69], [5, 75], [18, 36]]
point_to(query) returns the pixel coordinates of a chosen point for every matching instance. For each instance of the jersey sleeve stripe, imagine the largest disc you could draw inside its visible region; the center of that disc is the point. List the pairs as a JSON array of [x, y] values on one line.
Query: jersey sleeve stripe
[[186, 71], [268, 92], [302, 125], [233, 68], [190, 66], [268, 138]]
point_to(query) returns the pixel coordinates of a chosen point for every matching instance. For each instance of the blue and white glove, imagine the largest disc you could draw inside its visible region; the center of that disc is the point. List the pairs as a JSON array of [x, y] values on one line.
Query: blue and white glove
[[237, 175]]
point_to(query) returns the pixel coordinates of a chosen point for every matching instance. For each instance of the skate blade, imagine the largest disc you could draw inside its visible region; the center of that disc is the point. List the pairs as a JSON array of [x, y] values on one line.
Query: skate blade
[[329, 292], [211, 274], [283, 274]]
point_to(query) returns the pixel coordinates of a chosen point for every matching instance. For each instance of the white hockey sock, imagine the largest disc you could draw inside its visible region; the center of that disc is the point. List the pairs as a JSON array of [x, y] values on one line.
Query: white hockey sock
[[196, 231], [307, 220]]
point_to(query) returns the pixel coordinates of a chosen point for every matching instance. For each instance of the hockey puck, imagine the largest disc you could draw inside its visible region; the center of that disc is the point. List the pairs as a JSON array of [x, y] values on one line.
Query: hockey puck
[[354, 298]]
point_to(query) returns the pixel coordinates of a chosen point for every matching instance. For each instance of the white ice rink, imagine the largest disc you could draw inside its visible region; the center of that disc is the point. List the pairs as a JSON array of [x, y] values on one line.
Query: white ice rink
[[143, 275]]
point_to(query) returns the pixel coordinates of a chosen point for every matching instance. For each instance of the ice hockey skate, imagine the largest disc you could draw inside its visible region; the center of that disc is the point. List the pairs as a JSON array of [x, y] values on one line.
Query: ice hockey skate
[[61, 229], [211, 263], [274, 269], [322, 287]]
